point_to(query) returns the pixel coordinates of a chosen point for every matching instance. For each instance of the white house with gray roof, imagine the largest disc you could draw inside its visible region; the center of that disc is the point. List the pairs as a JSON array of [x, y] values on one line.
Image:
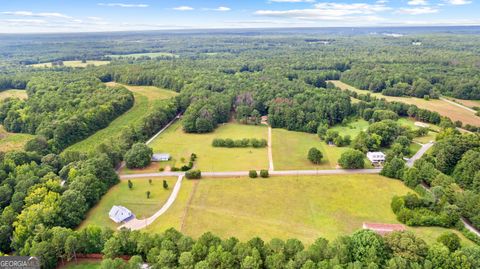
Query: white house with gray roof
[[119, 213]]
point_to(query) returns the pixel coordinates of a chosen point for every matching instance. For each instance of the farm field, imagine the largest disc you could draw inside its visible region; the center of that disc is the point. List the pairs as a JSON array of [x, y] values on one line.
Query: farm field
[[13, 141], [442, 107], [135, 199], [467, 103], [145, 98], [180, 145], [72, 64], [285, 207], [148, 54], [4, 94]]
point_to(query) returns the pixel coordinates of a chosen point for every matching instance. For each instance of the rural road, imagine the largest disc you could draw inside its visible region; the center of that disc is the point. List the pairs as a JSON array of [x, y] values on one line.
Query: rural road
[[457, 104], [272, 173], [137, 224], [419, 153], [270, 154], [163, 129]]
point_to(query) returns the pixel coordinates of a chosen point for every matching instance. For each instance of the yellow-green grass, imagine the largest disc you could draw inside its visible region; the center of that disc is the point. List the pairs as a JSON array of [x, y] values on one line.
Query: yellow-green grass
[[13, 141], [145, 98], [303, 207], [13, 93], [82, 264], [71, 64], [442, 107], [414, 148], [181, 145], [352, 129], [134, 199], [138, 55]]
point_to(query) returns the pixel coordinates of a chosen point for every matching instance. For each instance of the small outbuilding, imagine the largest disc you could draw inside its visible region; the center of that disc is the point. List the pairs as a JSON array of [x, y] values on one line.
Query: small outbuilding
[[376, 157], [383, 229], [160, 157], [119, 213]]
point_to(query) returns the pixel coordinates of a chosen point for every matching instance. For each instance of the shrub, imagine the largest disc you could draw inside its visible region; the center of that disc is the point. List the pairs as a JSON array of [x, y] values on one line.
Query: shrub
[[229, 143], [352, 159], [450, 240], [264, 173], [252, 174], [174, 169], [315, 156], [193, 174], [218, 142], [139, 156]]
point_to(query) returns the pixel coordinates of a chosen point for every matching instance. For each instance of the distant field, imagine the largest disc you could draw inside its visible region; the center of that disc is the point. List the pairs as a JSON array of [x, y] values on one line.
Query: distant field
[[468, 103], [138, 55], [4, 94], [285, 207], [12, 141], [134, 199], [180, 145], [72, 64], [145, 98], [442, 107]]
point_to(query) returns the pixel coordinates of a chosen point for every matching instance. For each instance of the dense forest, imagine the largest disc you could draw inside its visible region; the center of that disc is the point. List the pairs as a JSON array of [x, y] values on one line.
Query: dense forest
[[45, 191]]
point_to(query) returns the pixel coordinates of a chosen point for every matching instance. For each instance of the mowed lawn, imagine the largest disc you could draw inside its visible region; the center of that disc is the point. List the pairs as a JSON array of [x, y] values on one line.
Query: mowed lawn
[[13, 141], [134, 199], [145, 98], [72, 64], [13, 93], [285, 207], [442, 107], [181, 145]]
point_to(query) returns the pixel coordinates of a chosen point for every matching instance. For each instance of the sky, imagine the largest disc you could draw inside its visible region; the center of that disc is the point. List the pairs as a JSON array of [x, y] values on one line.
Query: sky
[[42, 16]]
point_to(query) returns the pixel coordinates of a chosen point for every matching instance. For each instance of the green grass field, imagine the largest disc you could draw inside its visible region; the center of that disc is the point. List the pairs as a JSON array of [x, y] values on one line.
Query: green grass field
[[135, 199], [138, 55], [285, 207], [4, 94], [72, 64], [352, 129], [145, 98], [13, 141], [82, 264], [180, 145]]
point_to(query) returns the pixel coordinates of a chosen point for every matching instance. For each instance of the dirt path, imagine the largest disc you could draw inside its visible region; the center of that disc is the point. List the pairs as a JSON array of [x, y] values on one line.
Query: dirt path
[[270, 154], [163, 129], [136, 224], [457, 104], [190, 199]]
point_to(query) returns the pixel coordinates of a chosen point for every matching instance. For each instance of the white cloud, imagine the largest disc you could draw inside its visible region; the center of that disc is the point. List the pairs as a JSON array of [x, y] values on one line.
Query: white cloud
[[32, 14], [418, 2], [123, 5], [291, 1], [221, 9], [417, 10], [183, 8], [458, 2]]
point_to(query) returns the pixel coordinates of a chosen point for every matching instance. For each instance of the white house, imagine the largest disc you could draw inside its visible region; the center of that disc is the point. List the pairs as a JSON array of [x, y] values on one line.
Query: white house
[[160, 157], [376, 157], [119, 213]]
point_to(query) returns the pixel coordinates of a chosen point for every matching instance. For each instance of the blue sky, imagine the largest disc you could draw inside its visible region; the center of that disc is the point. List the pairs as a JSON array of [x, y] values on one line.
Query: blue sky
[[22, 16]]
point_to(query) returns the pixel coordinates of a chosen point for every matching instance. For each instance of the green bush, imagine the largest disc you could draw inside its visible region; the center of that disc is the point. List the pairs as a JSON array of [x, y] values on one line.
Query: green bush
[[315, 155], [252, 174], [193, 174], [139, 156], [352, 159], [264, 173]]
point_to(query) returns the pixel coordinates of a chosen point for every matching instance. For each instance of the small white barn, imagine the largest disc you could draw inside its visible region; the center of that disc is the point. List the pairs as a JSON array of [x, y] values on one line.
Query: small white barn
[[160, 157], [119, 213], [376, 157]]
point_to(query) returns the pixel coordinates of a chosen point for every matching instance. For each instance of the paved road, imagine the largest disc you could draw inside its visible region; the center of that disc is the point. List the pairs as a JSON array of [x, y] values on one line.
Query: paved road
[[470, 227], [419, 153], [273, 173], [270, 154], [137, 224], [163, 129]]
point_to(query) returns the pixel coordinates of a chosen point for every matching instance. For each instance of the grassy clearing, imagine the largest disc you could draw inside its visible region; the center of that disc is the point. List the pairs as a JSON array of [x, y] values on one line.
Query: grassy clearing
[[352, 129], [442, 107], [139, 55], [145, 98], [13, 93], [72, 64], [82, 264], [180, 145], [414, 148], [286, 207], [134, 199], [13, 141], [290, 151]]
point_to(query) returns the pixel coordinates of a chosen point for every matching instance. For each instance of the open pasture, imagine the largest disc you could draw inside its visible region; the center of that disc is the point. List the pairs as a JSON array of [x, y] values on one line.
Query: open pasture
[[71, 64], [13, 93], [302, 207], [442, 107], [134, 199], [145, 98], [13, 141], [181, 145]]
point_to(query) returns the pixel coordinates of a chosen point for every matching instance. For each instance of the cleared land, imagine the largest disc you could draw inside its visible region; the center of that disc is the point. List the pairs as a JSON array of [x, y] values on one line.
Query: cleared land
[[13, 141], [145, 98], [82, 264], [135, 199], [285, 207], [442, 107], [22, 94], [467, 103], [181, 145], [139, 55], [72, 64]]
